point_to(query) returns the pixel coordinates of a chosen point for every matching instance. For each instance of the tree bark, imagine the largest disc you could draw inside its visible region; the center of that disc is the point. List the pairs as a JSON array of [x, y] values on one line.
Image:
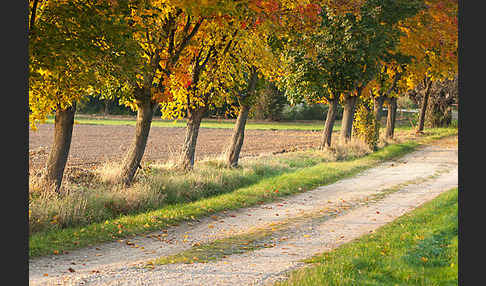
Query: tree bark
[[56, 162], [236, 143], [186, 160], [377, 107], [329, 125], [423, 108], [233, 152], [32, 16], [390, 120], [106, 110], [348, 116], [131, 163]]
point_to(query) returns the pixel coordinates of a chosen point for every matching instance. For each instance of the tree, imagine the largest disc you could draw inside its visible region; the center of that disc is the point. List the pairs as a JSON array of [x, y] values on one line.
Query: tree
[[260, 56], [223, 57], [376, 35], [233, 150], [384, 89], [345, 55], [431, 38], [256, 57], [75, 47], [443, 95], [205, 82], [165, 32], [365, 125]]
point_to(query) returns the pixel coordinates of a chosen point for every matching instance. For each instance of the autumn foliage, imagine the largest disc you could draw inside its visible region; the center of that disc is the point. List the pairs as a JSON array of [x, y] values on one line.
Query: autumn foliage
[[189, 56]]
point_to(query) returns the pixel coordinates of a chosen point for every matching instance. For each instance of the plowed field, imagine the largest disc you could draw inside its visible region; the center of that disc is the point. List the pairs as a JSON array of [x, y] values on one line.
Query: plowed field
[[95, 144]]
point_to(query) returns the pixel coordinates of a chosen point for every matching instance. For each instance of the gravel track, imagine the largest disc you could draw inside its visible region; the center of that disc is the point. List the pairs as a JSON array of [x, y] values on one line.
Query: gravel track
[[421, 175]]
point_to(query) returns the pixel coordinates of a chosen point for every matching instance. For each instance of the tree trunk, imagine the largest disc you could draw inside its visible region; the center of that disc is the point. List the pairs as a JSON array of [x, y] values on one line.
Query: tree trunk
[[186, 160], [106, 111], [234, 149], [329, 125], [423, 108], [233, 152], [377, 107], [146, 108], [56, 162], [390, 120], [348, 116]]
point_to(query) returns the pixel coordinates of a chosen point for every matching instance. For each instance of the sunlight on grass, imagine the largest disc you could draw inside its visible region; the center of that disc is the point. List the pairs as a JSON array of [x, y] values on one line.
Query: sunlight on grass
[[419, 248]]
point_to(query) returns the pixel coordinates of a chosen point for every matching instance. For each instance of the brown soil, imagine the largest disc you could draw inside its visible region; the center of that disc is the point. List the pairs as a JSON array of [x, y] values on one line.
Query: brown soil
[[95, 144]]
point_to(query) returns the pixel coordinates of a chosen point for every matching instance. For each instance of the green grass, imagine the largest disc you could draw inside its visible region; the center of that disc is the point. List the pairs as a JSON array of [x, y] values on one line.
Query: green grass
[[226, 190], [419, 248], [207, 123], [220, 248]]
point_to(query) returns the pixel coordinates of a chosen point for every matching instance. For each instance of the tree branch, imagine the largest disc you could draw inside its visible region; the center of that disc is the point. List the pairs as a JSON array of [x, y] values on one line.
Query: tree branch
[[185, 41], [32, 15]]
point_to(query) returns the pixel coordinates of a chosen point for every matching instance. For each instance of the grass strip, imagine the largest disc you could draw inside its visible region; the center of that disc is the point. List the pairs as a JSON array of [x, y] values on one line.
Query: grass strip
[[62, 240], [227, 124], [419, 248]]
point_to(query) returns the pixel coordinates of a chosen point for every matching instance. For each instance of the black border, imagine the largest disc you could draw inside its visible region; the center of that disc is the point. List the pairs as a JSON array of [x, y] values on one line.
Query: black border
[[15, 239]]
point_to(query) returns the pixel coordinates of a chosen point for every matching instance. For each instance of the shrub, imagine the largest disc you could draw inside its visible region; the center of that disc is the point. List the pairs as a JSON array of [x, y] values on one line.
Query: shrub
[[365, 126]]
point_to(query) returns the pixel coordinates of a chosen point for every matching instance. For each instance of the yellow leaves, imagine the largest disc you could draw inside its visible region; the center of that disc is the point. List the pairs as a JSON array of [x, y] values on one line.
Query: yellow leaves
[[404, 29], [44, 72]]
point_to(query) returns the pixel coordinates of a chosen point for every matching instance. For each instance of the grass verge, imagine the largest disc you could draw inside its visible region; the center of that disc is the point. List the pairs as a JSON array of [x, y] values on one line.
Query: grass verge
[[286, 182], [207, 123], [419, 248]]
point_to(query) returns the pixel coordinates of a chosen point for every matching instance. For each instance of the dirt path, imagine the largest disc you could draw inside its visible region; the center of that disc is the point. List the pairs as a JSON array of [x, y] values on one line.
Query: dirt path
[[415, 179]]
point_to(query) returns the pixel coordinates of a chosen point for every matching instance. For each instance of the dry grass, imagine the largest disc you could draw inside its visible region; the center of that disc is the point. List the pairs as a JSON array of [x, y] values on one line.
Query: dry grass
[[341, 150], [89, 195]]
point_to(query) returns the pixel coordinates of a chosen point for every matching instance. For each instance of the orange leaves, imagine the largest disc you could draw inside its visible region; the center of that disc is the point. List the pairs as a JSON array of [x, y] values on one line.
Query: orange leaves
[[431, 37], [345, 6]]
